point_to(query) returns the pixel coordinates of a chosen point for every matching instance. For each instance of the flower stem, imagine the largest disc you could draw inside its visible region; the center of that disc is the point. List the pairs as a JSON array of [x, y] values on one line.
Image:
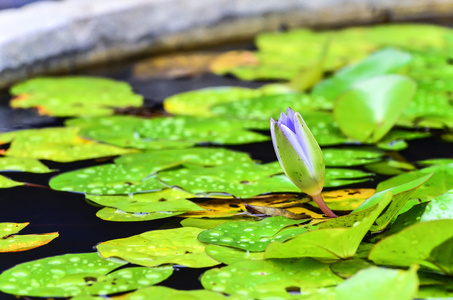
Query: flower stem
[[323, 206]]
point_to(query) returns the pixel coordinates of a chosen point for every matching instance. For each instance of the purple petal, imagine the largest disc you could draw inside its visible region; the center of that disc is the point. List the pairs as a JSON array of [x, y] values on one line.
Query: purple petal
[[302, 142], [287, 121], [294, 140]]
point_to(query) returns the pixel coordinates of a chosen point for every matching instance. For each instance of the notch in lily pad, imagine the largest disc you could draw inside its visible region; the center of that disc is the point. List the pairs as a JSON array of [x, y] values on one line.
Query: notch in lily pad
[[368, 110]]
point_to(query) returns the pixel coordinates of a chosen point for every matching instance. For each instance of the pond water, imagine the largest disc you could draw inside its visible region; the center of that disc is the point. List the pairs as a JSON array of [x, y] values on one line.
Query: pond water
[[75, 219]]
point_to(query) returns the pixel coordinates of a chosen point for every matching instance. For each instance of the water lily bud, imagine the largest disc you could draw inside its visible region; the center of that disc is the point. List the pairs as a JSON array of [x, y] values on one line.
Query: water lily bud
[[300, 155]]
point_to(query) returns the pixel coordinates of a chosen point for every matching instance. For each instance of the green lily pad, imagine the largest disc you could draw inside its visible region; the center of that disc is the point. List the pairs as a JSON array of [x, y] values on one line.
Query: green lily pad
[[198, 103], [385, 61], [172, 246], [261, 108], [368, 110], [379, 283], [211, 223], [249, 235], [202, 156], [203, 130], [266, 278], [228, 255], [390, 167], [337, 177], [395, 140], [351, 156], [348, 268], [161, 201], [328, 243], [111, 179], [165, 293], [241, 180], [57, 144], [324, 128], [121, 131], [412, 246], [117, 215], [440, 182], [23, 165], [77, 274], [5, 182], [9, 242], [74, 96], [440, 207]]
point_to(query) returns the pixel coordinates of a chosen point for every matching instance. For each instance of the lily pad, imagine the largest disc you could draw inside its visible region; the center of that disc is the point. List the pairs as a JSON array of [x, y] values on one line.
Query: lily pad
[[57, 144], [202, 130], [9, 242], [328, 243], [167, 200], [440, 207], [121, 131], [335, 177], [379, 283], [347, 199], [5, 182], [411, 246], [118, 215], [248, 235], [172, 246], [228, 255], [202, 156], [266, 278], [22, 165], [345, 157], [111, 179], [198, 103], [371, 107], [74, 96], [396, 139], [165, 293], [77, 274]]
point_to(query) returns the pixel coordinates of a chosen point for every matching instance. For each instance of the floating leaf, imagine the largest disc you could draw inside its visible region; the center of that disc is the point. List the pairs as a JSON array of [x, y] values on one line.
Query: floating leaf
[[379, 283], [371, 107], [205, 223], [77, 274], [241, 180], [22, 165], [202, 130], [198, 103], [110, 179], [440, 182], [117, 215], [347, 199], [172, 246], [5, 182], [165, 293], [411, 246], [390, 167], [441, 207], [266, 278], [274, 211], [166, 200], [202, 156], [74, 96], [345, 157], [228, 255], [395, 140], [337, 177], [248, 235], [328, 243], [347, 268], [15, 243], [224, 62], [379, 63], [57, 144]]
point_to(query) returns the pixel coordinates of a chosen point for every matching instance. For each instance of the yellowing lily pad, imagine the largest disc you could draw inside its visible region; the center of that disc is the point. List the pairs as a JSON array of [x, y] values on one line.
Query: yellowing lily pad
[[172, 246], [74, 96], [77, 274], [347, 199], [9, 242], [57, 144], [249, 235], [269, 278]]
